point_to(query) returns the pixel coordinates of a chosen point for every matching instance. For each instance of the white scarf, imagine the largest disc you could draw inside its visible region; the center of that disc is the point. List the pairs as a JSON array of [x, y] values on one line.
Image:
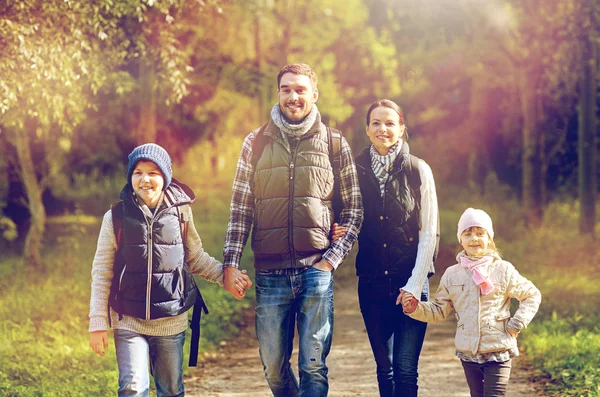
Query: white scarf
[[291, 129], [383, 164]]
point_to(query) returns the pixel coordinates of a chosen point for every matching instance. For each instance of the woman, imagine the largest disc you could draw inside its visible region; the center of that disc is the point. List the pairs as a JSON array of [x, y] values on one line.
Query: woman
[[396, 246]]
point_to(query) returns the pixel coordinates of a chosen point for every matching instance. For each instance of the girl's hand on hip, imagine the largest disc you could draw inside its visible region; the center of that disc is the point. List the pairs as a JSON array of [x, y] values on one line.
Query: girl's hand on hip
[[99, 342]]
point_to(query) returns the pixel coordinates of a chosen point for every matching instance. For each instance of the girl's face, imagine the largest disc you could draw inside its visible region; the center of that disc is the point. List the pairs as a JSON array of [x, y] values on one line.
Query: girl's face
[[475, 241], [147, 181], [384, 129]]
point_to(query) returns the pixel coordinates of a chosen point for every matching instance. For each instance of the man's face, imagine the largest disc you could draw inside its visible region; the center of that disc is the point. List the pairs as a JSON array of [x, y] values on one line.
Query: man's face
[[296, 96]]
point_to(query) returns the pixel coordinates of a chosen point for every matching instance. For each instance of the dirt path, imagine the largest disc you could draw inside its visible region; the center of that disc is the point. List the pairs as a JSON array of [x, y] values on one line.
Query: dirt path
[[236, 369]]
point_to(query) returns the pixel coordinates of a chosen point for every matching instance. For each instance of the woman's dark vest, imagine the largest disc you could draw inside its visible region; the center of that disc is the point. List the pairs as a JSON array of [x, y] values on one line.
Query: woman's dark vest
[[151, 276], [389, 235], [293, 190]]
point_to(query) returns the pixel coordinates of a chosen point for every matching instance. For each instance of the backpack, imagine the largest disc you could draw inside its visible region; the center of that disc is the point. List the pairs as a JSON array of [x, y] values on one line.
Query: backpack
[[414, 180], [118, 215], [334, 140]]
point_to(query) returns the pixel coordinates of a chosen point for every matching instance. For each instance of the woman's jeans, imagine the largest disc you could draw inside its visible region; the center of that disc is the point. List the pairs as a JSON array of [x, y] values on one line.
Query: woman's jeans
[[396, 339], [282, 298], [487, 380], [137, 352]]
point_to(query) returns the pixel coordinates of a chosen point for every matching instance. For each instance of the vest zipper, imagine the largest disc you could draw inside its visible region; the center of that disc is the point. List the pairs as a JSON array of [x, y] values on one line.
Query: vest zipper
[[291, 206], [149, 279], [121, 276]]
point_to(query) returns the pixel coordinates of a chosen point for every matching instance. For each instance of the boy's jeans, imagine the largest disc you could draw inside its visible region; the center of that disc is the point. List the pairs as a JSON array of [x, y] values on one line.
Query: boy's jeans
[[396, 339], [164, 355], [282, 297]]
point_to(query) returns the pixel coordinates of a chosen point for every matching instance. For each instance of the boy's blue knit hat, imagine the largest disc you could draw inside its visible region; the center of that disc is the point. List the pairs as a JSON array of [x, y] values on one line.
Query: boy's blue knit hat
[[154, 153]]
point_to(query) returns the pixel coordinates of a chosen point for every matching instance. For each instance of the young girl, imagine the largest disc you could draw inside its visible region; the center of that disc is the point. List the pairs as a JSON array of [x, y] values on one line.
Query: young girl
[[479, 289], [152, 289]]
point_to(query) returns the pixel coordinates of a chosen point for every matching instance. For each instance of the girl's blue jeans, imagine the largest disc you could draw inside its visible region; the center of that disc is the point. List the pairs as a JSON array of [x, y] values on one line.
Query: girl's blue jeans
[[162, 354], [284, 299], [396, 339]]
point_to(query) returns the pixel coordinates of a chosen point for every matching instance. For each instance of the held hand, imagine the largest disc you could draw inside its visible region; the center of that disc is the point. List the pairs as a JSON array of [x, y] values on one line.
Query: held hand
[[235, 282], [323, 265], [409, 302], [337, 231], [99, 342]]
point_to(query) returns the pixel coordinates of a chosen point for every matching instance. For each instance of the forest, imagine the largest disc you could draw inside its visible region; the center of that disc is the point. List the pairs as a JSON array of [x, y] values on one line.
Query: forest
[[501, 99]]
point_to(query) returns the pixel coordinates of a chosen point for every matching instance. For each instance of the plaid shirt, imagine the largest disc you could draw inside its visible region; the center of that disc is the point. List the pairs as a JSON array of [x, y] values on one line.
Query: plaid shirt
[[242, 207]]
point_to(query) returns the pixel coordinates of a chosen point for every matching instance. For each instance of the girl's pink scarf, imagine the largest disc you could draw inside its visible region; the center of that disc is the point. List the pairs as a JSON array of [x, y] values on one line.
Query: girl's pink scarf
[[480, 272]]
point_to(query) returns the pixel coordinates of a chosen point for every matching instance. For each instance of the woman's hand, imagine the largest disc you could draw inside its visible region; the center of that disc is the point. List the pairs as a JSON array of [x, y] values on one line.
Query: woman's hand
[[99, 342], [409, 302]]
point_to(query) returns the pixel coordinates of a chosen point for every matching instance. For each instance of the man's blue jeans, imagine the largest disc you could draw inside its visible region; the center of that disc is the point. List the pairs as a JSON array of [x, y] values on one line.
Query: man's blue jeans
[[164, 355], [396, 339], [282, 299]]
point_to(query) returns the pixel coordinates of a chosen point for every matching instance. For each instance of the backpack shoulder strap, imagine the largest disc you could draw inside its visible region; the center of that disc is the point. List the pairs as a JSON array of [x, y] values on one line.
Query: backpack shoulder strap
[[334, 140], [258, 144], [184, 219], [414, 177], [118, 215]]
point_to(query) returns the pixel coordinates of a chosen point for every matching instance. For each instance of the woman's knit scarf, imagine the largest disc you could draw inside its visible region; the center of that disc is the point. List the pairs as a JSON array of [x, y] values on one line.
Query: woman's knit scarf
[[383, 164], [480, 269], [291, 129]]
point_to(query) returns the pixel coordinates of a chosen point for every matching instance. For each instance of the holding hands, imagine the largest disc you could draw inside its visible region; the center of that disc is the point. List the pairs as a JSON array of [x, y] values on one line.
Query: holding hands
[[236, 282], [409, 302]]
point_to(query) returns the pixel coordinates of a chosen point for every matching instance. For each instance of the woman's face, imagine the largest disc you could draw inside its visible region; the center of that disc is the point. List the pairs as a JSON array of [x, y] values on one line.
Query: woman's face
[[474, 241], [147, 181], [384, 129]]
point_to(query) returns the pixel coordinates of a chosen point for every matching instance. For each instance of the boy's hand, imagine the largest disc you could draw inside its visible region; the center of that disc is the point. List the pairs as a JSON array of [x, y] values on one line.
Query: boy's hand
[[236, 282], [99, 342], [337, 231]]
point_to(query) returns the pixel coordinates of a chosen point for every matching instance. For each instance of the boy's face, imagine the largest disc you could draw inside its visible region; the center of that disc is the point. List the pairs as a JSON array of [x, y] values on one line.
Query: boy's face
[[475, 241], [147, 181]]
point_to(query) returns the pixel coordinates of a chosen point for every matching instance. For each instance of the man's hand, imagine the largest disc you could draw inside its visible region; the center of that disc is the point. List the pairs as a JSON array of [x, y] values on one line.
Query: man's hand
[[236, 282], [512, 332], [99, 342], [337, 231], [409, 302], [323, 265]]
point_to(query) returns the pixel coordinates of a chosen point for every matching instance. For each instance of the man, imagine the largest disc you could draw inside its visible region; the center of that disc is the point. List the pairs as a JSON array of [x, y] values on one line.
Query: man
[[285, 194]]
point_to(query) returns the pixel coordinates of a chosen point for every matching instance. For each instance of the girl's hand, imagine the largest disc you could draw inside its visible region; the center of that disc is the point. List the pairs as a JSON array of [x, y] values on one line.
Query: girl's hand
[[512, 332], [337, 231], [99, 342]]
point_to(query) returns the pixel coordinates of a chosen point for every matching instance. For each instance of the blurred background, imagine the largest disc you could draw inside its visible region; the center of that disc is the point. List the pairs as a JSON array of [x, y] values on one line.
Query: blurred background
[[500, 98]]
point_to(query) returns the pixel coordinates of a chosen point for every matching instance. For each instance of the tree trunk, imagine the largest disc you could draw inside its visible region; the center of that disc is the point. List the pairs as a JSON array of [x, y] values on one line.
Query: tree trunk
[[532, 159], [587, 145], [147, 122], [33, 241]]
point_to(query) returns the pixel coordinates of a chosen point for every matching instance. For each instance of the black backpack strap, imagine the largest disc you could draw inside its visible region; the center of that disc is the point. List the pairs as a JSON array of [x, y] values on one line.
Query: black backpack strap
[[199, 307], [199, 304], [334, 139], [117, 212], [258, 145]]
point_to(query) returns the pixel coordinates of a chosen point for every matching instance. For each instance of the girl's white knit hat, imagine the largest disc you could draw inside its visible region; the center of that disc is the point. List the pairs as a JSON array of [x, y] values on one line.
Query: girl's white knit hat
[[474, 217]]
